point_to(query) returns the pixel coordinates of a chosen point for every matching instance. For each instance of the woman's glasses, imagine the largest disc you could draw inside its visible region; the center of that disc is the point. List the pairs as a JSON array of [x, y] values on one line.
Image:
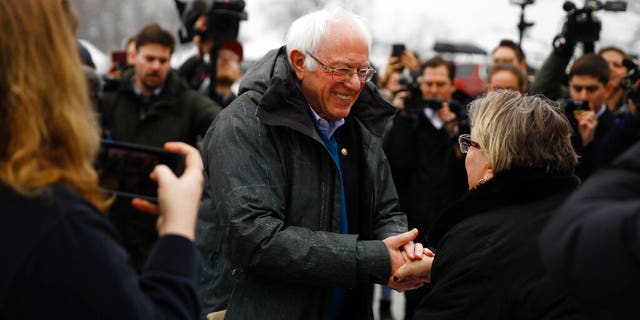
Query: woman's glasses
[[465, 142]]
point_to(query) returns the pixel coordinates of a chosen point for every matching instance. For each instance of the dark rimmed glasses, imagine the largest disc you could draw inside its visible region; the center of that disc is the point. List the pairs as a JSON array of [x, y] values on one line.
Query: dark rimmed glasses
[[345, 74], [465, 142]]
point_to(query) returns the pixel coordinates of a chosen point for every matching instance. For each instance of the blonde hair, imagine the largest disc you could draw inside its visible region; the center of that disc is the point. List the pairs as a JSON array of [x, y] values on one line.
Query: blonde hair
[[49, 131], [522, 131]]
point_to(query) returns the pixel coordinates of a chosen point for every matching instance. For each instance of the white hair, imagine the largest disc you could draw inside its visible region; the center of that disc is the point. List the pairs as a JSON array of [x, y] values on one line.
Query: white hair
[[306, 32]]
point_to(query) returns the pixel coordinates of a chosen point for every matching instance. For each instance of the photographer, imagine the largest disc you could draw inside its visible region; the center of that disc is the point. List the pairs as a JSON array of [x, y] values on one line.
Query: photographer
[[196, 70], [213, 26], [627, 130], [588, 85], [427, 166], [615, 58]]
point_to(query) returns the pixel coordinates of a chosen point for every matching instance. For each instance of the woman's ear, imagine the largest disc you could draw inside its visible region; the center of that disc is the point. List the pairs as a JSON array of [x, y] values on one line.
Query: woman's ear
[[488, 174], [297, 59]]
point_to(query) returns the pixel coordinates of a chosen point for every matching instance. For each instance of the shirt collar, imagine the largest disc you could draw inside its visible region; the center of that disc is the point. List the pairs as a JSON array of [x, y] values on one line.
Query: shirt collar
[[156, 92], [326, 127], [602, 110]]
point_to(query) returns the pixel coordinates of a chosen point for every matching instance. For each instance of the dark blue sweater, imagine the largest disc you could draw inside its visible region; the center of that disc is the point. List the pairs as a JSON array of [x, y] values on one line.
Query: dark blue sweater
[[62, 260]]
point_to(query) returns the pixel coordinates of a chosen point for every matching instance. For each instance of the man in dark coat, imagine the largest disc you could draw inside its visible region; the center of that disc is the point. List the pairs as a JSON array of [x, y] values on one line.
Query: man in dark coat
[[150, 106], [588, 81], [298, 188]]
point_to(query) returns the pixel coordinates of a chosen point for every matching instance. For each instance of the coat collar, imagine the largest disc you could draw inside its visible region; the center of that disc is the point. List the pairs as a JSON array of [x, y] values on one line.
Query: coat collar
[[514, 187], [168, 98]]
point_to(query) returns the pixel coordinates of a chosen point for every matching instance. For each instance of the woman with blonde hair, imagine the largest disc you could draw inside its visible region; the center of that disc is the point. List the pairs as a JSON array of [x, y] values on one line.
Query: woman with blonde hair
[[519, 163], [61, 255]]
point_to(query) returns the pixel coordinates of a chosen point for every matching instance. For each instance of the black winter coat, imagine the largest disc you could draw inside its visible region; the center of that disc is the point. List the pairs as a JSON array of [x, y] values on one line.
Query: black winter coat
[[592, 245], [487, 264], [62, 260]]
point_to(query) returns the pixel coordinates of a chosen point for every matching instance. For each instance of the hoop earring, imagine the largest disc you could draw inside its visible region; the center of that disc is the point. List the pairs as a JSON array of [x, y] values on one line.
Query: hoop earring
[[482, 180]]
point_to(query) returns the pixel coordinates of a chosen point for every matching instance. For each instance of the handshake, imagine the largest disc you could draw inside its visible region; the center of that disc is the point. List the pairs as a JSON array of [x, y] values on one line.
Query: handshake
[[410, 262]]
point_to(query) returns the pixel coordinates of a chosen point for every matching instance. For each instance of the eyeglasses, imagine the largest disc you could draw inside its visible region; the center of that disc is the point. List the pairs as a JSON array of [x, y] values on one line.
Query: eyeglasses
[[465, 143], [345, 74]]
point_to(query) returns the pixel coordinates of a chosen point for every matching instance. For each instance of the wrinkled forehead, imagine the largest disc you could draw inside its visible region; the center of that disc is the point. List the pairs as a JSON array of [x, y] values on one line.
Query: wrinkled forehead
[[350, 49]]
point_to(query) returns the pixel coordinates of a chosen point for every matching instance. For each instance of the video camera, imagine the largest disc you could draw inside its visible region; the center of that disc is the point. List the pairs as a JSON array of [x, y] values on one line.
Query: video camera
[[223, 19], [582, 25], [414, 102]]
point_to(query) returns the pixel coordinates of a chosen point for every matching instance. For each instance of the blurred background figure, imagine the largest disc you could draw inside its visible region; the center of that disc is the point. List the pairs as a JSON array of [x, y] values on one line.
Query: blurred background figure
[[196, 70], [505, 75], [627, 131], [510, 52], [72, 19], [583, 96], [121, 59], [590, 244], [64, 259], [618, 70]]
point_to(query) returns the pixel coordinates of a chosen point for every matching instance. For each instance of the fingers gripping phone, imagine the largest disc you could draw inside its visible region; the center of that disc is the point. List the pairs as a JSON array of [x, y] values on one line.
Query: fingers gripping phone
[[124, 168], [574, 108]]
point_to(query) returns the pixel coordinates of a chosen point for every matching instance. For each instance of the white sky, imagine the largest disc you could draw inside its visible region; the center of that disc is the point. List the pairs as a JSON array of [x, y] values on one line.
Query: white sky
[[418, 23]]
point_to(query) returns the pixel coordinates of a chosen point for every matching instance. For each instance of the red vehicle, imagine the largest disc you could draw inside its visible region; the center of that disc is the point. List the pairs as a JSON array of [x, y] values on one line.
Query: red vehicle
[[471, 66], [470, 78]]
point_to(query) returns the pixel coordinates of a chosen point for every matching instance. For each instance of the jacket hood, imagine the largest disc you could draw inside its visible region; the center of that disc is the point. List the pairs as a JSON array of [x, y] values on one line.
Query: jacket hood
[[281, 101]]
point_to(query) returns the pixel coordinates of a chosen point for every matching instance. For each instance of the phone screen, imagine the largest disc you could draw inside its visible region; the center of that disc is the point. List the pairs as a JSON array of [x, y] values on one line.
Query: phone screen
[[124, 168]]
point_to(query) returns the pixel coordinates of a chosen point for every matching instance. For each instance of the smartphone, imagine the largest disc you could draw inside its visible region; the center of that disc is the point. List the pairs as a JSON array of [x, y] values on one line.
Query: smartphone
[[397, 49], [119, 59], [124, 168]]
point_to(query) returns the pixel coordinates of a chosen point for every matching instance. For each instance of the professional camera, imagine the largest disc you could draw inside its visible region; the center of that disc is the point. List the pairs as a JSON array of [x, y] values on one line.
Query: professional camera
[[631, 83], [223, 19], [582, 25], [414, 102]]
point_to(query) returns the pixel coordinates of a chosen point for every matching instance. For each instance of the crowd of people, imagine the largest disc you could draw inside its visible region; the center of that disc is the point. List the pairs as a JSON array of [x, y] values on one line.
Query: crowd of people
[[318, 178]]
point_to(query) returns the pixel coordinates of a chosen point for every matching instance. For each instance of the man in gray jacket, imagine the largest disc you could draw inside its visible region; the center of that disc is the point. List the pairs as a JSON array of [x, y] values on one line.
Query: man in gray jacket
[[299, 196]]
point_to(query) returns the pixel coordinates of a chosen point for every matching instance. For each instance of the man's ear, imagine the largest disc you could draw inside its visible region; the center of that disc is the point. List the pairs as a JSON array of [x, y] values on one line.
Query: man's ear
[[297, 59]]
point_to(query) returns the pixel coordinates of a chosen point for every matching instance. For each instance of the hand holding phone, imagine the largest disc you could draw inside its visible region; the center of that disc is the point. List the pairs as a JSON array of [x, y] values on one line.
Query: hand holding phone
[[178, 197], [124, 168], [574, 108]]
